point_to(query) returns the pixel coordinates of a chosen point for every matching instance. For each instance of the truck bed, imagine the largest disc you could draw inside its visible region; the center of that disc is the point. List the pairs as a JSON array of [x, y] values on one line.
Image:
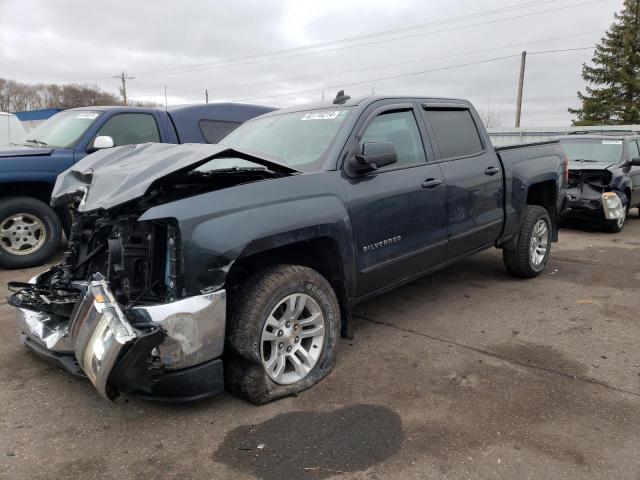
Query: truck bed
[[536, 162]]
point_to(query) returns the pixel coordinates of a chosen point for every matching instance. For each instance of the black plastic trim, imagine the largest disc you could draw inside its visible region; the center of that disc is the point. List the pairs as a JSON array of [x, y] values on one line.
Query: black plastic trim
[[65, 361], [188, 385]]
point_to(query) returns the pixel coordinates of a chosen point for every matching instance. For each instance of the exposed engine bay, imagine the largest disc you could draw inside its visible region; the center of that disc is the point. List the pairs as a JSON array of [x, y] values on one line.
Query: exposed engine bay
[[598, 180], [116, 308], [141, 260], [585, 188]]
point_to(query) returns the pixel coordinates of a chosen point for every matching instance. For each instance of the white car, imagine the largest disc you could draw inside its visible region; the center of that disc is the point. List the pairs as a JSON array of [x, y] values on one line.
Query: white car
[[10, 128]]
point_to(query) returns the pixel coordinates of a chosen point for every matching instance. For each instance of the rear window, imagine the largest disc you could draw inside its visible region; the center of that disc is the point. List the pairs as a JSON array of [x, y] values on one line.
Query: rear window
[[456, 133], [215, 130]]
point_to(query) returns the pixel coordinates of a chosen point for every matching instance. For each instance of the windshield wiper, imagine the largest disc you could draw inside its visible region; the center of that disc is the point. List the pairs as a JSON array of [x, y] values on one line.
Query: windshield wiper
[[37, 142], [583, 160], [231, 170]]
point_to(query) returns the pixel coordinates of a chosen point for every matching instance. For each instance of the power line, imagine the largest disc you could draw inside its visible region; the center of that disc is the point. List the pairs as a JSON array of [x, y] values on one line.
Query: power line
[[370, 35], [560, 50], [269, 56], [389, 65], [401, 75]]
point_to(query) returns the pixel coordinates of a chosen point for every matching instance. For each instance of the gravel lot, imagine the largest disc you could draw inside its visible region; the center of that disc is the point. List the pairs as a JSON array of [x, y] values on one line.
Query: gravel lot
[[467, 373]]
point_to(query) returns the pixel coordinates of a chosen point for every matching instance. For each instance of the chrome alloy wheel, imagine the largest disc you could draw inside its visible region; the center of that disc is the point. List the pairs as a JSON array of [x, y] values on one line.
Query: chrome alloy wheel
[[22, 234], [292, 339], [539, 242]]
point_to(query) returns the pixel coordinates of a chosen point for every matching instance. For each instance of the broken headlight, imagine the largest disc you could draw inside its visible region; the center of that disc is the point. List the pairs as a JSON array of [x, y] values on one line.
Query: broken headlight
[[100, 331]]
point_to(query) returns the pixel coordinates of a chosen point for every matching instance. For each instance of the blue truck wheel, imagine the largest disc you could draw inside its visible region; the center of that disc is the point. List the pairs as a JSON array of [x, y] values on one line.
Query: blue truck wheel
[[30, 232]]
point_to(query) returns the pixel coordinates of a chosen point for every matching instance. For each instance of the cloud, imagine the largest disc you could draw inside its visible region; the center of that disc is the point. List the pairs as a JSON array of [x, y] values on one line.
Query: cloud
[[43, 41]]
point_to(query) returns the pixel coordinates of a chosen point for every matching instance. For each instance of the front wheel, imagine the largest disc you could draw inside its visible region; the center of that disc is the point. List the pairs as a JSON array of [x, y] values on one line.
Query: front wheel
[[282, 333], [30, 232], [531, 252]]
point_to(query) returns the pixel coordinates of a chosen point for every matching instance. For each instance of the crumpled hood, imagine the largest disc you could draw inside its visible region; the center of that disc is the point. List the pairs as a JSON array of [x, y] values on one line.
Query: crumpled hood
[[574, 165], [24, 151], [117, 175]]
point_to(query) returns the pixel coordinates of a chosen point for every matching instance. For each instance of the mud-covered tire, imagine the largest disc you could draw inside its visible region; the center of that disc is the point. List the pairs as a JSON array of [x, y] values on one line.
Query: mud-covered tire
[[245, 375], [616, 226], [44, 216], [519, 261]]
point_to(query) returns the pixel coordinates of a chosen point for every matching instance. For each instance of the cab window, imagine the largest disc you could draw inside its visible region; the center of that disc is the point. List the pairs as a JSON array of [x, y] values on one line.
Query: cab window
[[455, 132], [130, 128], [401, 129]]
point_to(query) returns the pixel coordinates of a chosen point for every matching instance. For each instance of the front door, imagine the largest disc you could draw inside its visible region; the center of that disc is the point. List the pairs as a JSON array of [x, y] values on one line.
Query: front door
[[398, 212]]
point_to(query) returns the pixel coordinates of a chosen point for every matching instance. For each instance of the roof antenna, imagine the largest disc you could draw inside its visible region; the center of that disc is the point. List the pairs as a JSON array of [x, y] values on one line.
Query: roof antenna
[[341, 98]]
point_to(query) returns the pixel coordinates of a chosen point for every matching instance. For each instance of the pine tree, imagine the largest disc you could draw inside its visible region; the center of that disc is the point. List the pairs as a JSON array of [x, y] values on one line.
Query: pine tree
[[613, 94]]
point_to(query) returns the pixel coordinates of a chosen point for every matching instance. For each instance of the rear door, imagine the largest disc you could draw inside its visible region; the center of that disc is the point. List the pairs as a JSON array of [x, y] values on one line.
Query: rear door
[[472, 173], [397, 212]]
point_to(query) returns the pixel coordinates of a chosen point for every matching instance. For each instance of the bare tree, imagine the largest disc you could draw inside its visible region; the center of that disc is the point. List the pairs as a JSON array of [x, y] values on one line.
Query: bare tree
[[492, 118], [16, 96]]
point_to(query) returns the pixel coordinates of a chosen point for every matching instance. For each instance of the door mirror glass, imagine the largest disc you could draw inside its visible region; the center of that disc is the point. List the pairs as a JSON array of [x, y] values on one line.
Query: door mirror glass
[[376, 155], [102, 141]]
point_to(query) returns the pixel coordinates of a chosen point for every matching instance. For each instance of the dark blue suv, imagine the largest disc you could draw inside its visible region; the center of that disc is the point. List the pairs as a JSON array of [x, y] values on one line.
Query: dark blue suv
[[604, 176]]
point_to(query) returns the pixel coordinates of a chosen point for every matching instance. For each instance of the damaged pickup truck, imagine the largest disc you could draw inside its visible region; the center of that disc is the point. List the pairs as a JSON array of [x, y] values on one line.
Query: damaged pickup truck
[[604, 177], [250, 254]]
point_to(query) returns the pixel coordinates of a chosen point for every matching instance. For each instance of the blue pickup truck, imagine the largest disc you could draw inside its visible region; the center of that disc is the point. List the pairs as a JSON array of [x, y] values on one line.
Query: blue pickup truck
[[30, 230]]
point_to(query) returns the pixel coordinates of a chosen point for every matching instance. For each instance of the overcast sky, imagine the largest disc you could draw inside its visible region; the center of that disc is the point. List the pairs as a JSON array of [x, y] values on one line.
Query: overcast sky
[[220, 46]]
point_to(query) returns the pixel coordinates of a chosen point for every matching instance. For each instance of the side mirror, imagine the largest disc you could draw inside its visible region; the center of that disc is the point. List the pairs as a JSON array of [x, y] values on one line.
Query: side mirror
[[635, 162], [101, 142], [376, 155]]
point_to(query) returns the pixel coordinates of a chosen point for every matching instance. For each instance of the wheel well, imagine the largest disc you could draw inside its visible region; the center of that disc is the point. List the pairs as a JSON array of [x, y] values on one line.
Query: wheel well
[[321, 254], [40, 190], [544, 195]]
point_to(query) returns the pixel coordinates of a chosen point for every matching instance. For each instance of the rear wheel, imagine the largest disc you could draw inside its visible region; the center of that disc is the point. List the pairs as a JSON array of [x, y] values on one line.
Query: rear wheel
[[30, 232], [282, 333], [531, 252]]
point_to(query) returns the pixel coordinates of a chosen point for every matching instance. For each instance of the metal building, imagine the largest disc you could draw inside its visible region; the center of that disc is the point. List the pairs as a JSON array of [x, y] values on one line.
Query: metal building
[[512, 136]]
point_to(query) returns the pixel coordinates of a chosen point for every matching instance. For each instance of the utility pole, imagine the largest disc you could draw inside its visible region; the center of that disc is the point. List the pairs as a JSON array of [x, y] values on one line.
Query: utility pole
[[206, 96], [123, 76], [523, 60]]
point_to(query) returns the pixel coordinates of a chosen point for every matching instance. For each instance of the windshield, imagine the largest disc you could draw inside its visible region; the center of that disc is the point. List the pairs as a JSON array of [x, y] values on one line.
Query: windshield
[[593, 149], [63, 130], [299, 140]]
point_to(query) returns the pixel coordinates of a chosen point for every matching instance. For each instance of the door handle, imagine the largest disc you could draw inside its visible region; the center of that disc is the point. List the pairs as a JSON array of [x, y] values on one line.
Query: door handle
[[431, 183], [491, 170]]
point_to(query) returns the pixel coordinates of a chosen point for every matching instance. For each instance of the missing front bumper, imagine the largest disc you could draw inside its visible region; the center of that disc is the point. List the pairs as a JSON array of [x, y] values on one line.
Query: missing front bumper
[[607, 205], [99, 337]]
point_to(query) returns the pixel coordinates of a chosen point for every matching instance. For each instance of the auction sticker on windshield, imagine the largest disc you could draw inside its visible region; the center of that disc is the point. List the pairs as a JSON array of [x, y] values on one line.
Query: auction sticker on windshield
[[611, 142], [325, 115], [90, 116]]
